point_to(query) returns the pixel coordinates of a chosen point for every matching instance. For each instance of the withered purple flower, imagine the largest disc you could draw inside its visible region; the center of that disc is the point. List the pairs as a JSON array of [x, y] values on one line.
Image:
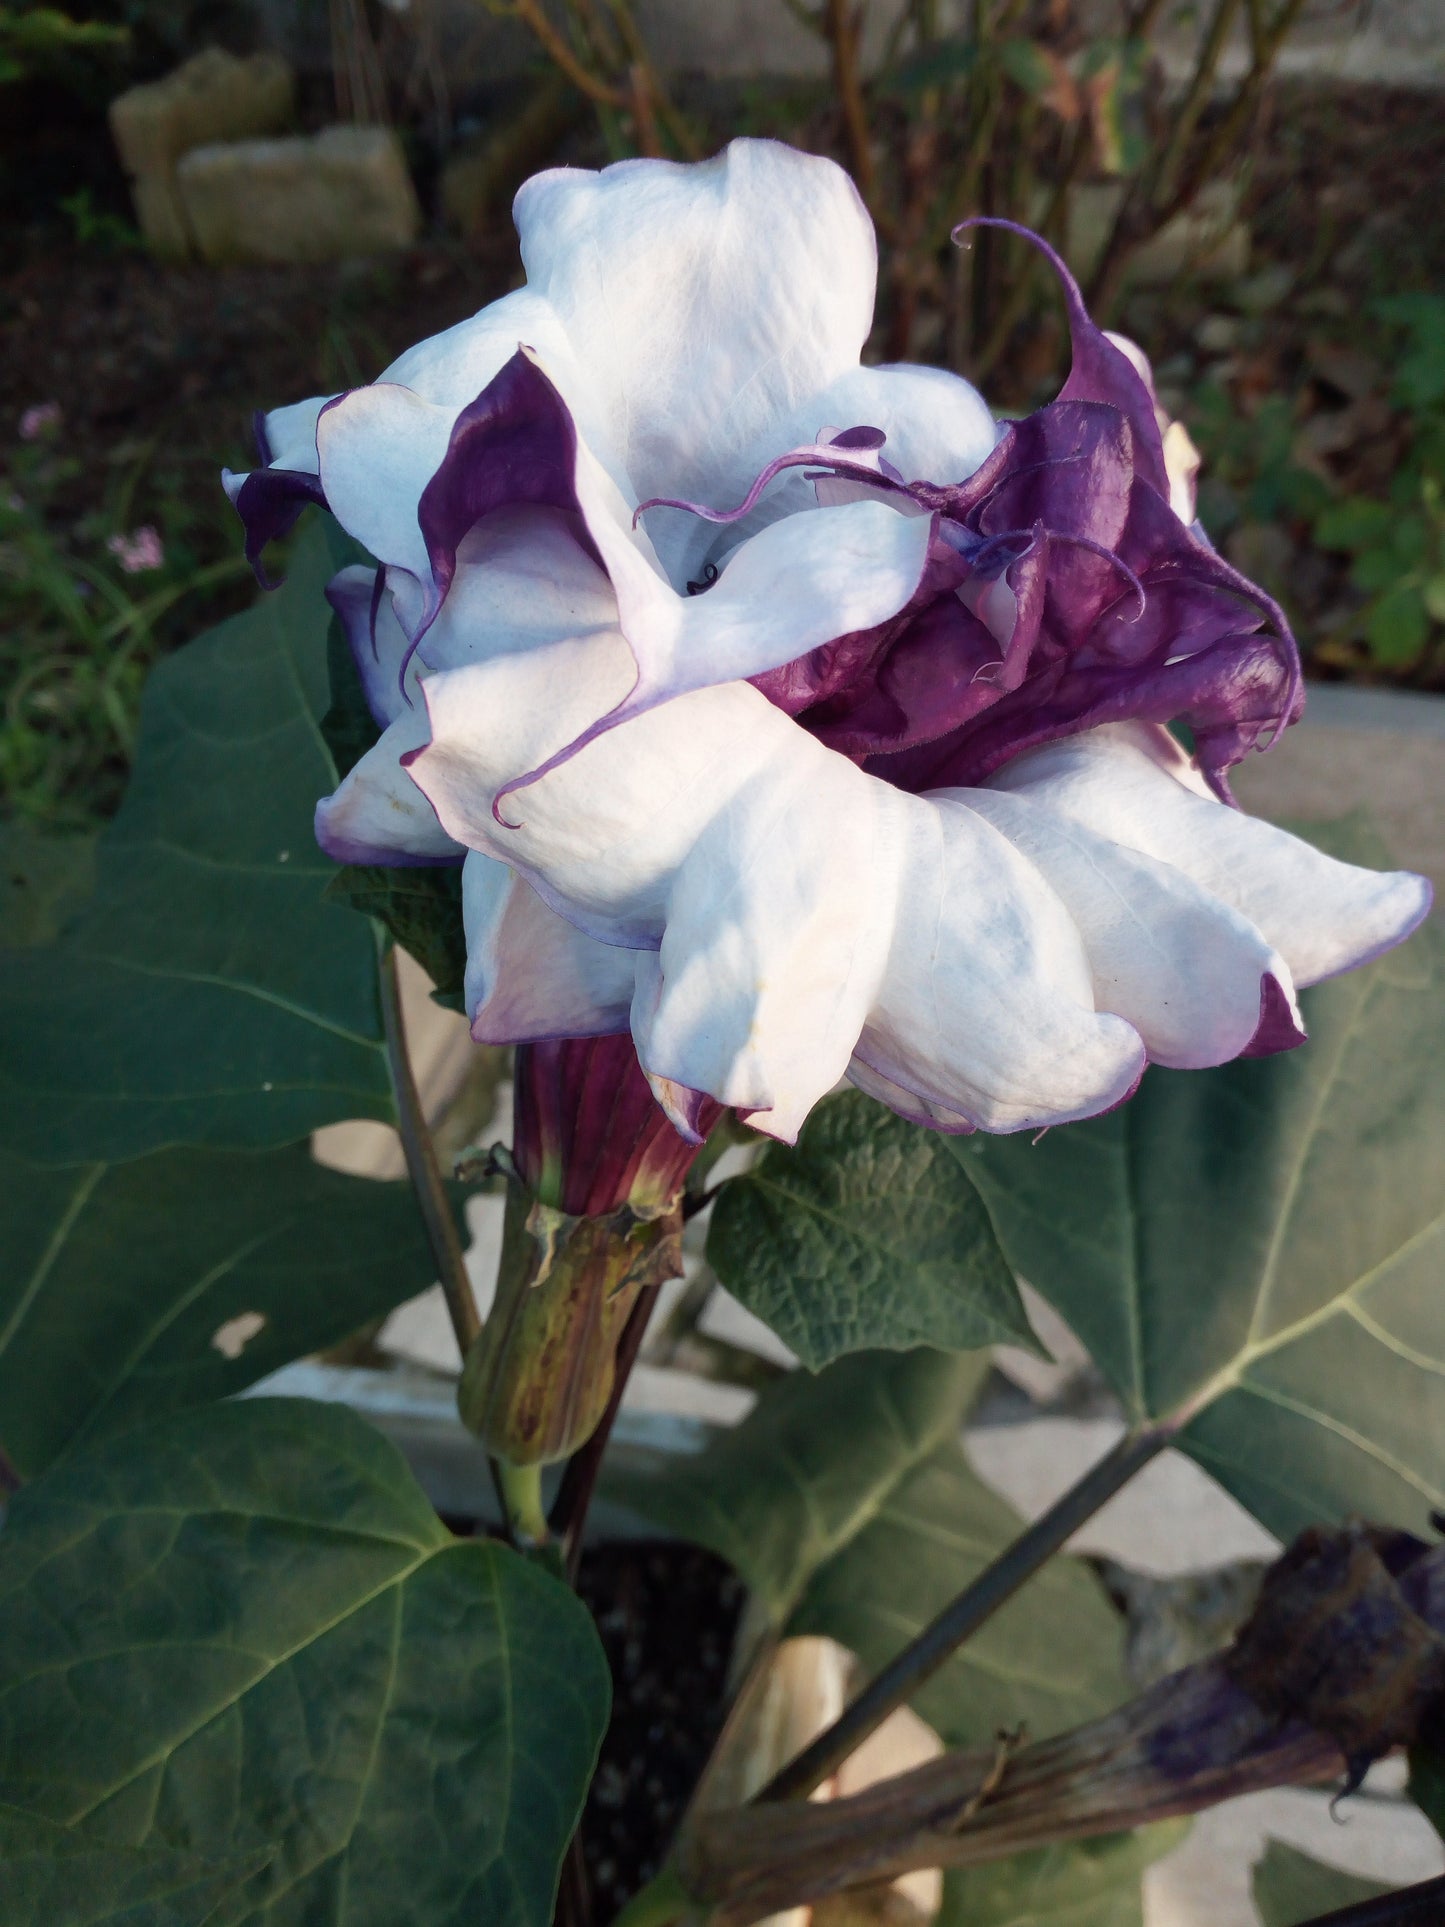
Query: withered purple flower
[[792, 715]]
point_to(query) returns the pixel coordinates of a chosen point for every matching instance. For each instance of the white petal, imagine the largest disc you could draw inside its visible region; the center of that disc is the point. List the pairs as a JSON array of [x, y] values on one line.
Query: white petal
[[291, 434], [1134, 784], [377, 814], [523, 581], [378, 643], [986, 1009], [938, 429], [918, 1110], [453, 368], [379, 447], [714, 828], [794, 903], [1186, 970], [531, 975], [797, 584], [938, 426], [705, 301], [777, 932]]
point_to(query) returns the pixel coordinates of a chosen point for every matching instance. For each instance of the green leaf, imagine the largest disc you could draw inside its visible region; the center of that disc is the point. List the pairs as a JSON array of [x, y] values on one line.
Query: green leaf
[[1376, 570], [864, 1235], [1289, 1887], [1089, 1883], [421, 908], [1427, 1785], [245, 1629], [781, 1493], [1435, 597], [1359, 523], [845, 1504], [51, 1876], [932, 1533], [1258, 1250], [42, 880], [935, 65], [129, 1290], [1398, 626], [205, 992], [1028, 65]]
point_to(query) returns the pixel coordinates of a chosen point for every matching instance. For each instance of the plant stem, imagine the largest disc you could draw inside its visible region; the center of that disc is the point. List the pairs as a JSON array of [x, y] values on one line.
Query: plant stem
[[565, 61], [574, 1895], [574, 1495], [841, 28], [1419, 1906], [1187, 115], [963, 1616], [422, 1168], [521, 1489]]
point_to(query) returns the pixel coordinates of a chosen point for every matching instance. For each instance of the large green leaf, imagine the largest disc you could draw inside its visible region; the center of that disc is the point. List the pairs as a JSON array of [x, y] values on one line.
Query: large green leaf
[[1289, 1887], [128, 1290], [1090, 1883], [205, 992], [244, 1630], [1258, 1251], [52, 1876], [864, 1235], [781, 1493], [1049, 1660], [421, 908], [845, 1503], [42, 880]]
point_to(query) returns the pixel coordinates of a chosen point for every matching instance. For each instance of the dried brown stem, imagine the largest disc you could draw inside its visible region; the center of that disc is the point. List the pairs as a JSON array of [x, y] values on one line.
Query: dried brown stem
[[530, 13], [1196, 99], [1137, 222], [1362, 1613], [841, 23]]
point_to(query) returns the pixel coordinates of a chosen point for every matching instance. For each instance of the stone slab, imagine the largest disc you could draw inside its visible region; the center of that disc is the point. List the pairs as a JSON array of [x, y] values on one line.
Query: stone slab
[[212, 97], [342, 193]]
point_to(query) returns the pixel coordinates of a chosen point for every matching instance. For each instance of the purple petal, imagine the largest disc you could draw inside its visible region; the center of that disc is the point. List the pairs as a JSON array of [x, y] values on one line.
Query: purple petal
[[516, 443], [1100, 371], [588, 1127], [269, 502], [1279, 1029]]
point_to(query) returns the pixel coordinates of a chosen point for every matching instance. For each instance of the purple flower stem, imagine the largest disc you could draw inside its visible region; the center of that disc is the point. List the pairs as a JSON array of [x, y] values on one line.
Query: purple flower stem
[[579, 1481]]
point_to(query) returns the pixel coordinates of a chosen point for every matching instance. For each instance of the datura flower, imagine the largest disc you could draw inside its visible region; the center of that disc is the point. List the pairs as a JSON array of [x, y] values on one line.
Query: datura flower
[[794, 715]]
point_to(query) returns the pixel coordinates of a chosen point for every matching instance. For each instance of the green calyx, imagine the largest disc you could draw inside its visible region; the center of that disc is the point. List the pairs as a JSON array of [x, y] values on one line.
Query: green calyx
[[536, 1383]]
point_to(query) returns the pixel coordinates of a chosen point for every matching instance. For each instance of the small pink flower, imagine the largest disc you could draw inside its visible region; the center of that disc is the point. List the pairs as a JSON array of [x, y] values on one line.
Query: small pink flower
[[39, 420], [142, 549]]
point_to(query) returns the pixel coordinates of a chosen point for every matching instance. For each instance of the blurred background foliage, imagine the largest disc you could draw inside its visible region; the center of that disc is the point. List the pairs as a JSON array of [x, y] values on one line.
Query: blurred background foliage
[[1276, 244]]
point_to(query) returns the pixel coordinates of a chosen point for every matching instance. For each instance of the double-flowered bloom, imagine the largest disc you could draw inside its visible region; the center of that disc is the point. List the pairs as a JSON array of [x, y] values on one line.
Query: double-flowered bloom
[[793, 715]]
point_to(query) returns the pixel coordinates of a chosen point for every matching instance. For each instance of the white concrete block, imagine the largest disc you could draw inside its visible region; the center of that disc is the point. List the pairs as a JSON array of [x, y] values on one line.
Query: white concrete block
[[345, 192], [212, 97]]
